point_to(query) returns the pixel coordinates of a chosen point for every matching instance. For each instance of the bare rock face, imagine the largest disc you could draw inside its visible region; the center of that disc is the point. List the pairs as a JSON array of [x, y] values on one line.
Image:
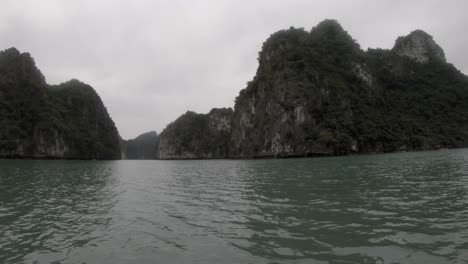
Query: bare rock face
[[419, 46], [219, 120], [196, 136]]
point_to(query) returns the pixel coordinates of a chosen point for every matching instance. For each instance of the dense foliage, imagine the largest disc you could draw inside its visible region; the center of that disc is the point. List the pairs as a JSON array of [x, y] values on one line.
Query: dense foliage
[[318, 93], [422, 106], [40, 121], [315, 93], [195, 135]]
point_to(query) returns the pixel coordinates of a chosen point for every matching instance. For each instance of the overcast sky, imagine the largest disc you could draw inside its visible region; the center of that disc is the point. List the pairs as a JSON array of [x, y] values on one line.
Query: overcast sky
[[150, 61]]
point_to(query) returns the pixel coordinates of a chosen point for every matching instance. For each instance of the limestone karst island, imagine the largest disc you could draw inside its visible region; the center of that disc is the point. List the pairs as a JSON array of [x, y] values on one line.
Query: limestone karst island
[[315, 93], [222, 132]]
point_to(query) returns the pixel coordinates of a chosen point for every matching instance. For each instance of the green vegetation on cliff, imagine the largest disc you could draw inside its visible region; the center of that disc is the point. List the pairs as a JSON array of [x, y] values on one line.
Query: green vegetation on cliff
[[195, 135], [299, 100], [314, 93], [318, 93], [40, 121]]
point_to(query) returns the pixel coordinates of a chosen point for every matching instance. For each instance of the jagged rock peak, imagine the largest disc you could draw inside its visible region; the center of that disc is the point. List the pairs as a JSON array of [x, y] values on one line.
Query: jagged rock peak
[[21, 65], [76, 85], [327, 36], [330, 25], [331, 35], [330, 28], [419, 46]]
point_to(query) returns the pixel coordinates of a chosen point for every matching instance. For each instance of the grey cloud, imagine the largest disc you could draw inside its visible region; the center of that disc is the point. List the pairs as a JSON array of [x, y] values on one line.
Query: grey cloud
[[150, 61]]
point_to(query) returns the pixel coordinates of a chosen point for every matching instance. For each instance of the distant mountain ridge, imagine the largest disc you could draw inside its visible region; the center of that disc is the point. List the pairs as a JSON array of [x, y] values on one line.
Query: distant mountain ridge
[[318, 93], [141, 147]]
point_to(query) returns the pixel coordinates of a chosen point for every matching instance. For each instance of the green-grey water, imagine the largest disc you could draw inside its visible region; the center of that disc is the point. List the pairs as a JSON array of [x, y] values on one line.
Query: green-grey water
[[392, 208]]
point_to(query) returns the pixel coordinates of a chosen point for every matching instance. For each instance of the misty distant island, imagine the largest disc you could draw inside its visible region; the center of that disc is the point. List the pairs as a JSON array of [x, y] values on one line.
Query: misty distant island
[[315, 93]]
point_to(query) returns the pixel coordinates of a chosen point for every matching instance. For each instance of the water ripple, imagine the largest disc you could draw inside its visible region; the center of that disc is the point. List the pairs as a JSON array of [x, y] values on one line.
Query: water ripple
[[397, 208]]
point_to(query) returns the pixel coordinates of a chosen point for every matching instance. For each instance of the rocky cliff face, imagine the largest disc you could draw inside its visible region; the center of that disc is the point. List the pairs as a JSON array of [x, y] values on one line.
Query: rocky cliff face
[[297, 103], [141, 147], [420, 47], [317, 93], [39, 121], [196, 136]]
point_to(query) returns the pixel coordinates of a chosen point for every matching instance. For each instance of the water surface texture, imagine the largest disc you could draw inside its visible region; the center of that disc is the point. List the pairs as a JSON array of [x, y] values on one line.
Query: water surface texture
[[392, 208]]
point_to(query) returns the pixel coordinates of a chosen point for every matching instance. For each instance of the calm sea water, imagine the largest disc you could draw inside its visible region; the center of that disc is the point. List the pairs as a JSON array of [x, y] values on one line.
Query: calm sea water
[[393, 208]]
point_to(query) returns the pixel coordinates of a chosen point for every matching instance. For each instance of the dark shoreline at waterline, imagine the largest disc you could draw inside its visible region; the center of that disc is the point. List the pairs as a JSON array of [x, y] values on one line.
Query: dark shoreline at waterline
[[265, 157]]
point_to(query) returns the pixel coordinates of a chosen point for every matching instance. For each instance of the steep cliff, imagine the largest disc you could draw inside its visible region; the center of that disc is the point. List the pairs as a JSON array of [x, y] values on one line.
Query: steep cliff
[[196, 136], [299, 103], [318, 93], [66, 121], [141, 147]]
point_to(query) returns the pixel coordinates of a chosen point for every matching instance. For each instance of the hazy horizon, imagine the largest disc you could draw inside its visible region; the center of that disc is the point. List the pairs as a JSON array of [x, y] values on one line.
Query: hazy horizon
[[150, 61]]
